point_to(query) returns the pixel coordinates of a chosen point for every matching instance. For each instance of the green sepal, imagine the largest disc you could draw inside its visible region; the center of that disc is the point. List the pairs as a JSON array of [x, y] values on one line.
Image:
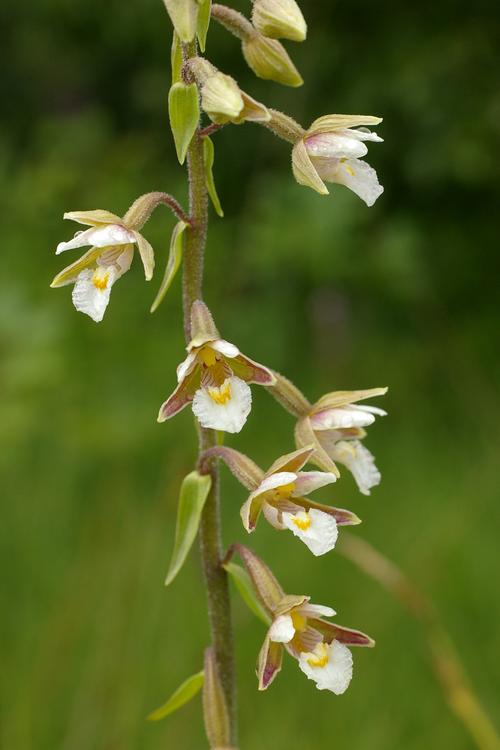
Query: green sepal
[[176, 58], [208, 159], [173, 263], [245, 589], [184, 114], [203, 22], [181, 696], [194, 492]]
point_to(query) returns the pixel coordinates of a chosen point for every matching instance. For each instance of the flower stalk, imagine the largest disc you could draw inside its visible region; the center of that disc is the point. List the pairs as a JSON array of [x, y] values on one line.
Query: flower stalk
[[219, 608]]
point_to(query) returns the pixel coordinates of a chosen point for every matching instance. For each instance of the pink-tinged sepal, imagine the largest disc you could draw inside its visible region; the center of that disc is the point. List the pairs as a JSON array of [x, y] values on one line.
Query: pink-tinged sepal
[[264, 582], [269, 662], [309, 481], [251, 372], [203, 328], [342, 516], [350, 637], [181, 397]]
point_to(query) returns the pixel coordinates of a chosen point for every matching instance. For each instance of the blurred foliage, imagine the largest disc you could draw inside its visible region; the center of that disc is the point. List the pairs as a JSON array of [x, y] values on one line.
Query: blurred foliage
[[323, 289]]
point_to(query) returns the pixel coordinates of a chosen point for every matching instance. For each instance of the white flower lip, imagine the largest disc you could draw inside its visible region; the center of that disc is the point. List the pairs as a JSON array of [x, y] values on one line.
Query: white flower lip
[[229, 416], [316, 529], [335, 673], [344, 417], [90, 298]]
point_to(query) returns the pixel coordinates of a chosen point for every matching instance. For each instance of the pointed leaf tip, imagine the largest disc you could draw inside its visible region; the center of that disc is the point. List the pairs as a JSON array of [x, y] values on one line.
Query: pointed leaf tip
[[179, 698], [173, 263], [193, 495]]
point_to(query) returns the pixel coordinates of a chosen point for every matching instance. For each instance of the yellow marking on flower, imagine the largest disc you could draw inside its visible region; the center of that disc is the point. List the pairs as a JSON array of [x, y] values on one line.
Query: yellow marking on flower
[[221, 395], [302, 521], [100, 281], [299, 621], [319, 657], [284, 491], [349, 170], [207, 356]]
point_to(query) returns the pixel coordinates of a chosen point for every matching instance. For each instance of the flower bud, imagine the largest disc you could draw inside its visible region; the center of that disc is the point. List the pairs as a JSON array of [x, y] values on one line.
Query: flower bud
[[221, 97], [279, 19], [269, 60], [215, 711], [184, 16]]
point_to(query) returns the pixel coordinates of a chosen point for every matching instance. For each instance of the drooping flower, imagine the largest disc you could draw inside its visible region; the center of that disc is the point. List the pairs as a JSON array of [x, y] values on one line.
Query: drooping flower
[[335, 427], [111, 241], [214, 378], [331, 151], [281, 496], [319, 646]]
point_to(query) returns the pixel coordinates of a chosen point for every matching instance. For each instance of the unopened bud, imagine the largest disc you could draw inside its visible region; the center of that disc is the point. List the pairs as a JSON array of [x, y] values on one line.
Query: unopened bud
[[279, 19], [221, 97], [184, 16], [215, 709], [269, 60]]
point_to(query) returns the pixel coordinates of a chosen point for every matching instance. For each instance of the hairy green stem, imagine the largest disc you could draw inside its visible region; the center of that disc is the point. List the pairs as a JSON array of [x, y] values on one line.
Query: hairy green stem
[[219, 609]]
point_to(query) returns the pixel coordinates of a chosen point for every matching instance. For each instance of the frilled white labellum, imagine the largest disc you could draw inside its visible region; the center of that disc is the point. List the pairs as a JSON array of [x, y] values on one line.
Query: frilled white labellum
[[316, 529], [92, 291], [330, 666], [359, 461], [223, 408]]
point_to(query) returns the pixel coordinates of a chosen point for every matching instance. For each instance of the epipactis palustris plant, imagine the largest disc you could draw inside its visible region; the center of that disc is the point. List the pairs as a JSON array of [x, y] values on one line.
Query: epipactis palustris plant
[[215, 376]]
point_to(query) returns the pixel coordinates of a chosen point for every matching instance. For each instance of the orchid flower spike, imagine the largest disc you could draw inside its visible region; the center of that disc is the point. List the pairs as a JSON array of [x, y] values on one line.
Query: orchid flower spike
[[335, 427], [214, 377], [111, 241], [331, 151], [281, 497], [319, 646]]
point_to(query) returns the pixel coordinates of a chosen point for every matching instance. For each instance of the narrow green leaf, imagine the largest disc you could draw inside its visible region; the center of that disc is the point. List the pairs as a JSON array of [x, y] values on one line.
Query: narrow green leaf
[[203, 22], [194, 492], [208, 158], [244, 585], [182, 695], [173, 263], [176, 58], [184, 113]]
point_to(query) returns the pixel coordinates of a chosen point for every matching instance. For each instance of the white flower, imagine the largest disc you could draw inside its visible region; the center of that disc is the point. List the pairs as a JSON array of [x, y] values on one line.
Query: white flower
[[331, 151], [214, 377], [335, 426], [281, 497], [316, 529], [330, 666], [110, 255]]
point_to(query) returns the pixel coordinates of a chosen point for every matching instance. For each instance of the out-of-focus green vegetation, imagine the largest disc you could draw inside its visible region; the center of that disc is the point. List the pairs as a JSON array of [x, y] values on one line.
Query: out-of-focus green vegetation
[[323, 289]]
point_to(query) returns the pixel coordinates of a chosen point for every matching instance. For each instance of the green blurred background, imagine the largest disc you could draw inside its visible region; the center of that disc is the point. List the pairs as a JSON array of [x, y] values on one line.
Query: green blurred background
[[323, 289]]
